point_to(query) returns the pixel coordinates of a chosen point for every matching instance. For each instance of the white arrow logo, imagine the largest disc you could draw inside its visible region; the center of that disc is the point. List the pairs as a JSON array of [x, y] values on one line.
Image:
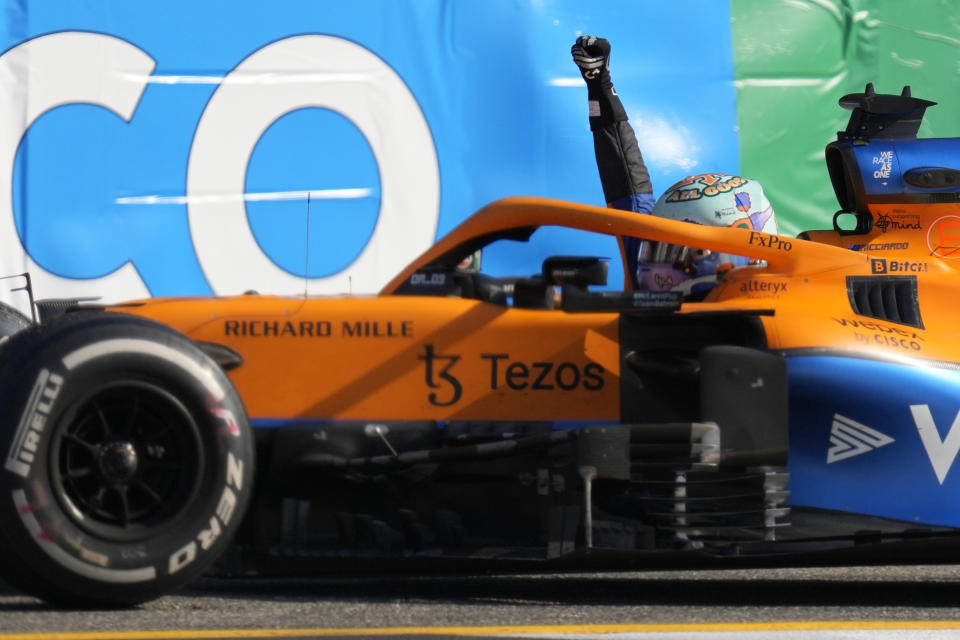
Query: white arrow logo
[[850, 438], [941, 452]]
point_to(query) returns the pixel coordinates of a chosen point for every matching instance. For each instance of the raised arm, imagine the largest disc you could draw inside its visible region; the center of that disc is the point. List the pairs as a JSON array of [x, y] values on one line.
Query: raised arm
[[623, 174]]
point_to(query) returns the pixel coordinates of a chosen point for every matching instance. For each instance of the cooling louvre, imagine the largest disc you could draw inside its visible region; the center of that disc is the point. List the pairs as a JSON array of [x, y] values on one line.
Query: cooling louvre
[[890, 298]]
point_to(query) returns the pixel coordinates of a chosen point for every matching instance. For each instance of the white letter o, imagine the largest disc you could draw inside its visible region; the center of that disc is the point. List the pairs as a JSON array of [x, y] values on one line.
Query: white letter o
[[294, 73]]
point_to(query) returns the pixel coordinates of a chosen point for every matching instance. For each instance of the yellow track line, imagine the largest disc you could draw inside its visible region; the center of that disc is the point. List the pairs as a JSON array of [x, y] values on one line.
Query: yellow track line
[[822, 625]]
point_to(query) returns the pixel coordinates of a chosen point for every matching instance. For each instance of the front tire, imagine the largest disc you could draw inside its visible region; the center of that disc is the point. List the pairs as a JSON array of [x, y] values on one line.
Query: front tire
[[128, 464]]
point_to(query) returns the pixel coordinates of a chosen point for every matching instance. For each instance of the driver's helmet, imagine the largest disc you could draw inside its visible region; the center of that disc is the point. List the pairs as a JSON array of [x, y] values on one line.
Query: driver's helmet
[[715, 199]]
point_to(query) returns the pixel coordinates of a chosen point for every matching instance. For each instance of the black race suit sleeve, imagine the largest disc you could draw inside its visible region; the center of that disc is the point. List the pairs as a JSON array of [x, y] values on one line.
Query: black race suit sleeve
[[623, 173]]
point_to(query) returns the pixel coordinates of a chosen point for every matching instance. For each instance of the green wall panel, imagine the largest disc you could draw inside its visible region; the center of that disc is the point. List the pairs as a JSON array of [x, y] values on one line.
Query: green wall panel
[[795, 58]]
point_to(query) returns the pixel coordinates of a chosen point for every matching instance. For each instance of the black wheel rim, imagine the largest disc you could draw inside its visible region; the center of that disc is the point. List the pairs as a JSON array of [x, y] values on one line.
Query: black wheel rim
[[127, 461]]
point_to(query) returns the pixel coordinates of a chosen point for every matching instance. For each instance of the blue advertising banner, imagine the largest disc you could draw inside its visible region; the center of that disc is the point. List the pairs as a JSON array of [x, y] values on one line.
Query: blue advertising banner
[[185, 148]]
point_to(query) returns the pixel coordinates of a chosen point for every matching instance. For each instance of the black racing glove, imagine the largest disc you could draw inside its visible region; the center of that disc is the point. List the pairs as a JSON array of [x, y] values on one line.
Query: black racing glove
[[592, 57]]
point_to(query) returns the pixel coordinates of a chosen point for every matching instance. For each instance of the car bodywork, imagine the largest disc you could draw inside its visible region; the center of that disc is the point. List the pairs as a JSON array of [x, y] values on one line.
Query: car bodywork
[[804, 412]]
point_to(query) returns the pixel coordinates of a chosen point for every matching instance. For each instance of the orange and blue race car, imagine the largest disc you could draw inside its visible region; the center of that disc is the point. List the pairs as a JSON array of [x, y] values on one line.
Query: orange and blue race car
[[805, 412]]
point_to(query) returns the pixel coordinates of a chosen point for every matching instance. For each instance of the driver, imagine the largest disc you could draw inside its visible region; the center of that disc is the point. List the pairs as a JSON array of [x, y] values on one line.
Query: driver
[[711, 199]]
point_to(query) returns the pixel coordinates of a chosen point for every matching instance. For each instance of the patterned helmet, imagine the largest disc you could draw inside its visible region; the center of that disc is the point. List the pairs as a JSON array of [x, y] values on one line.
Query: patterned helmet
[[715, 199]]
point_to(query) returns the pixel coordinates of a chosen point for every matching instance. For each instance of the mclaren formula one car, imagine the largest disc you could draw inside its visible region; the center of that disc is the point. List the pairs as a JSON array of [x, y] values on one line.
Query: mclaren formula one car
[[805, 412]]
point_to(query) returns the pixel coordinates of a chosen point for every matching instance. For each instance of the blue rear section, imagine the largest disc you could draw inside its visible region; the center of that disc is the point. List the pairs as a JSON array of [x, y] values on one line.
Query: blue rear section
[[883, 163], [888, 468]]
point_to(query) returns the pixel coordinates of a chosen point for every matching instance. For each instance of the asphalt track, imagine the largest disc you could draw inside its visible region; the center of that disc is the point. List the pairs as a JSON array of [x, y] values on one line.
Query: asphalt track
[[902, 602]]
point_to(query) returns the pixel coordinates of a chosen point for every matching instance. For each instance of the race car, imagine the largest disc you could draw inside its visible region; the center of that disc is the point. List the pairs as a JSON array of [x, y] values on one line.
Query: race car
[[804, 412]]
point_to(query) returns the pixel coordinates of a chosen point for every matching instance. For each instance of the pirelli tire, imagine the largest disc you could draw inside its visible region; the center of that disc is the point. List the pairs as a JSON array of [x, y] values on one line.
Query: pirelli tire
[[128, 460]]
